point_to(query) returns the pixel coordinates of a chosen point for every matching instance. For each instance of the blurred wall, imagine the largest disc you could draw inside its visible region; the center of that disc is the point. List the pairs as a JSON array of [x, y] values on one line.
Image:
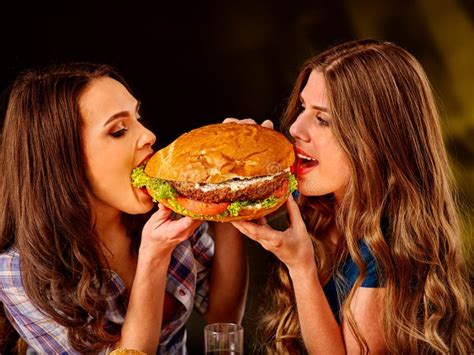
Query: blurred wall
[[196, 63]]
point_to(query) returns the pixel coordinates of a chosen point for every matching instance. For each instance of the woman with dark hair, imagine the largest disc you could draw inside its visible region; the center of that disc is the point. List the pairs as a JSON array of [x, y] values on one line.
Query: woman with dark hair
[[371, 261], [84, 266]]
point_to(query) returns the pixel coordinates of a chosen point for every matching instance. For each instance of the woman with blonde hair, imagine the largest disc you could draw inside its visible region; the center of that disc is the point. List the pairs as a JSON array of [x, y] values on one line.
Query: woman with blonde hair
[[371, 261]]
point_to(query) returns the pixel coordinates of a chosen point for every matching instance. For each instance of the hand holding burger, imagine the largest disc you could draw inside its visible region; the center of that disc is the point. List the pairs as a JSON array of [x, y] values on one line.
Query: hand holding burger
[[221, 172]]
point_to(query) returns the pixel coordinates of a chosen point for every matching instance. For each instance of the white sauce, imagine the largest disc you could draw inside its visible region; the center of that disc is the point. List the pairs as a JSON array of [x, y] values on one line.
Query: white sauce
[[237, 183]]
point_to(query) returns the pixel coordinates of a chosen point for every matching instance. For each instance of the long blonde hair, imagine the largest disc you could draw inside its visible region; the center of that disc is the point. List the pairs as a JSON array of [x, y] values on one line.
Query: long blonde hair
[[399, 200]]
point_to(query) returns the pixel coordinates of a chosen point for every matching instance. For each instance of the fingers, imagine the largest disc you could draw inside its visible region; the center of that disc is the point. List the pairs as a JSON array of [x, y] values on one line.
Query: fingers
[[294, 212], [240, 227], [263, 234], [246, 228], [184, 223], [230, 120], [162, 223], [159, 217], [254, 231], [186, 226], [163, 210], [268, 124], [164, 213], [235, 120], [262, 221], [247, 121]]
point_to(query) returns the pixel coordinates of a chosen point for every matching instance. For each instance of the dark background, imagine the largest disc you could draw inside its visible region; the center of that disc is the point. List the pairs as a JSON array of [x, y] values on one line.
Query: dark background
[[194, 63]]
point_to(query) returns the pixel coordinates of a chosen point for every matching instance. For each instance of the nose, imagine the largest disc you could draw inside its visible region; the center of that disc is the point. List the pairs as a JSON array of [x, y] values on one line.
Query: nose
[[147, 138], [298, 129]]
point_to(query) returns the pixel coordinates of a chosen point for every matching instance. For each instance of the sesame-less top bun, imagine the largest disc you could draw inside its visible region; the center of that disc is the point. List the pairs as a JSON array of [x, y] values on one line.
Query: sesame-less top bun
[[220, 152]]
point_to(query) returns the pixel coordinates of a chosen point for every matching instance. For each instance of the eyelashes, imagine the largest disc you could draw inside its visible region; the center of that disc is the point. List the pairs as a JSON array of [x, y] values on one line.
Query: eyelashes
[[319, 120], [322, 121], [120, 132]]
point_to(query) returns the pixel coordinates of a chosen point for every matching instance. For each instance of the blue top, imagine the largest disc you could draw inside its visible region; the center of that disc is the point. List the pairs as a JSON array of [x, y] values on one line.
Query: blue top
[[338, 287]]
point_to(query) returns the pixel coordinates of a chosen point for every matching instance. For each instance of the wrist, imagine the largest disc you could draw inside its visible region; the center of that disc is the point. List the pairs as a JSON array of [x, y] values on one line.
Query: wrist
[[153, 261], [303, 271], [126, 351]]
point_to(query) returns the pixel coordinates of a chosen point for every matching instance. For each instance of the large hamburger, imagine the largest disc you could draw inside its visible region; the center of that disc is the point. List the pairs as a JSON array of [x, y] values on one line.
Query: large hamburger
[[221, 172]]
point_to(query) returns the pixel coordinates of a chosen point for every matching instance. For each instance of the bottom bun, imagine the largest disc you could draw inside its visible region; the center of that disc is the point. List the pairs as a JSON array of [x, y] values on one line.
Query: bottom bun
[[245, 214]]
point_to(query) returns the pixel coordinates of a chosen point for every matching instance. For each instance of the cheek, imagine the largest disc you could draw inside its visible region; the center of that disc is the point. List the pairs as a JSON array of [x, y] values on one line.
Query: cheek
[[344, 173], [106, 175], [335, 163], [341, 170], [323, 141], [107, 159], [98, 169]]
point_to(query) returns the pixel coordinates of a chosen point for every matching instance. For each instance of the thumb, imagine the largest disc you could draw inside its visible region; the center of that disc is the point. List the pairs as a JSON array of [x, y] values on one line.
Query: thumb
[[157, 218], [294, 212], [186, 224], [162, 214]]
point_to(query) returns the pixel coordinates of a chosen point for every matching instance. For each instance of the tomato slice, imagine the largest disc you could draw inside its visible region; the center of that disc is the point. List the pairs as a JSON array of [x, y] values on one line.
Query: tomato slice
[[199, 207], [282, 190]]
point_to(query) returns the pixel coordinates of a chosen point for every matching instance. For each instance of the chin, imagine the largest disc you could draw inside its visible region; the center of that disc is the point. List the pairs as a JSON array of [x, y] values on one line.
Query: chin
[[146, 206], [140, 205], [309, 187], [309, 191], [139, 209]]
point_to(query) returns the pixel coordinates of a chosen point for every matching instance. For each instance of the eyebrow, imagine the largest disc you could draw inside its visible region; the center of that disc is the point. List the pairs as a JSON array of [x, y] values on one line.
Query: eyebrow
[[121, 114], [319, 108]]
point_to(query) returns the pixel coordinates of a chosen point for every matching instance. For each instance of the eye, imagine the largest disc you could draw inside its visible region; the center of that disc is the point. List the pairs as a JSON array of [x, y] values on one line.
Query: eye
[[119, 133], [322, 121]]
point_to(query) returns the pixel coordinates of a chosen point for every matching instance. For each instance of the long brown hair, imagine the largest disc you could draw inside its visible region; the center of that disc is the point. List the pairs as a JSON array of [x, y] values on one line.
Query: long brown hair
[[399, 200], [45, 211]]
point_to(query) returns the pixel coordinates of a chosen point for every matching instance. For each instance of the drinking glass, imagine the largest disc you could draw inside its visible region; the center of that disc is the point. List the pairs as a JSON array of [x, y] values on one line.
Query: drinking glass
[[224, 339]]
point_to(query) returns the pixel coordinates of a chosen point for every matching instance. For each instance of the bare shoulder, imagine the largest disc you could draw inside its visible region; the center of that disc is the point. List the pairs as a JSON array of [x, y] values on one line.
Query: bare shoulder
[[367, 309]]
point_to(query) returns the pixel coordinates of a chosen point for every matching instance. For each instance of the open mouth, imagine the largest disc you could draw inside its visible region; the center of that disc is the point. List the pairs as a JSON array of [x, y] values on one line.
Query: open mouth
[[144, 161], [304, 162], [141, 166], [145, 191]]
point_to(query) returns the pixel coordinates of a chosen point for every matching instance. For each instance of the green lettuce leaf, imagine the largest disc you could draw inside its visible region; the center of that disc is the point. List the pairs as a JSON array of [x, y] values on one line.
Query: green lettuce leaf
[[269, 202], [157, 188], [293, 183], [162, 189], [139, 178]]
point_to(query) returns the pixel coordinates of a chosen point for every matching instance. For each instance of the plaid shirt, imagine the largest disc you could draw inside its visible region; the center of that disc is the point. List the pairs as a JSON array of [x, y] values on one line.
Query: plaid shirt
[[187, 281]]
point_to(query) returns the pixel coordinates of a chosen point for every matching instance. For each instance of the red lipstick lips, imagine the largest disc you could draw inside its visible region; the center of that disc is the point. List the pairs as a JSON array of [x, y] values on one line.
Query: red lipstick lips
[[304, 162]]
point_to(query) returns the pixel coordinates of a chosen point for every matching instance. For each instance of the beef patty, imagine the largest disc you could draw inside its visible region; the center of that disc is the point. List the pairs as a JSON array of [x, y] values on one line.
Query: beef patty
[[258, 191]]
